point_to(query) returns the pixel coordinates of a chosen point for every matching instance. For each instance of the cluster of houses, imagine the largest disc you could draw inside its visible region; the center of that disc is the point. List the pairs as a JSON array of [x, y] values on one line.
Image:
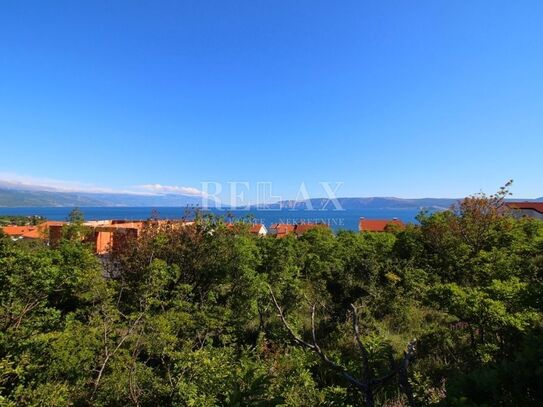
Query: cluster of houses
[[40, 231], [105, 235], [109, 235]]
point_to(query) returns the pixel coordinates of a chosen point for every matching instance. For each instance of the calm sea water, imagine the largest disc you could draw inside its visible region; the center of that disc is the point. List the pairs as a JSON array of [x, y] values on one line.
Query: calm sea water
[[347, 219]]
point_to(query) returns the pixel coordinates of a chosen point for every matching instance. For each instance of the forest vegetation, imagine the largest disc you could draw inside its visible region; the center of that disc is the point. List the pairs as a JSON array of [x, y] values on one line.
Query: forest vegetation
[[447, 312]]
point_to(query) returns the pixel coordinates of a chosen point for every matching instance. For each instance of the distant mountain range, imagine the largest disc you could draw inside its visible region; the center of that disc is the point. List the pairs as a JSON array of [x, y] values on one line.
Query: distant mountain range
[[365, 203], [10, 197], [35, 198]]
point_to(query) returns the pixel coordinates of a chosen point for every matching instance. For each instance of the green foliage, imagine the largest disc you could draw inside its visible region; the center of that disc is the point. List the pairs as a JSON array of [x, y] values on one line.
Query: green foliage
[[185, 317], [76, 216], [16, 220]]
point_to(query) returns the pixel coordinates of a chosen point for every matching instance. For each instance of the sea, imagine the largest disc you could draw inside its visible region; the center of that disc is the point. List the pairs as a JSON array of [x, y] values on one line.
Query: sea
[[337, 220]]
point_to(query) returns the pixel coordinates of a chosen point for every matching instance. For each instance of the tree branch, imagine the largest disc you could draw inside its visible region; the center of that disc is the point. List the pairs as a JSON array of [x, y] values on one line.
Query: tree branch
[[314, 346], [108, 355]]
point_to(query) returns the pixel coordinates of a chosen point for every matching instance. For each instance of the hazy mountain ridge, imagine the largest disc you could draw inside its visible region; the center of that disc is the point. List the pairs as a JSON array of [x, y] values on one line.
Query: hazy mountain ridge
[[35, 198], [38, 198], [366, 203], [373, 203]]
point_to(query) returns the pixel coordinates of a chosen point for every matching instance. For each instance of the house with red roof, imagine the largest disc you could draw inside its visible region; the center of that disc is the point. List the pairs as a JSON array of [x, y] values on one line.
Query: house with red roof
[[258, 229], [255, 228], [280, 230], [529, 209], [105, 236], [34, 232], [379, 225], [22, 232]]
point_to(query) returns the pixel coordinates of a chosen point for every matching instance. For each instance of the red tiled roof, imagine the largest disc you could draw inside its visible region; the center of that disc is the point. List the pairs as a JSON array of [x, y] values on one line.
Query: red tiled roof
[[32, 232], [27, 232], [536, 206], [282, 229], [378, 225], [255, 228]]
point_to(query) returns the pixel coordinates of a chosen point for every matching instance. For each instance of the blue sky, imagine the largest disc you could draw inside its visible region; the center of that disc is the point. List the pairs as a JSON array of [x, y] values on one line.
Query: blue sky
[[392, 98]]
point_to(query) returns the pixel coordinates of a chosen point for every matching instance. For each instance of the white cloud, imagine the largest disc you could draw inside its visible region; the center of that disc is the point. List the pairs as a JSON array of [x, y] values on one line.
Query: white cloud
[[23, 182], [171, 189], [16, 181]]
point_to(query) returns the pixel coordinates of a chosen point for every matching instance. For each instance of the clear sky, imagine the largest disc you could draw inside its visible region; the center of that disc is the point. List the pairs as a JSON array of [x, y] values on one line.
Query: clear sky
[[392, 98]]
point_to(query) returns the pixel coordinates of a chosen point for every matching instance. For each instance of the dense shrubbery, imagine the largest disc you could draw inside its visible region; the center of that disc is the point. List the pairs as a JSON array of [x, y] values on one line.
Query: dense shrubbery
[[188, 319]]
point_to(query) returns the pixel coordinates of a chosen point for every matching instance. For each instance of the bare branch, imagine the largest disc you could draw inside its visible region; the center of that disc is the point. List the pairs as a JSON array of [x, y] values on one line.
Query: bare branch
[[313, 330], [356, 330], [401, 368], [405, 386], [108, 355], [315, 347], [295, 337]]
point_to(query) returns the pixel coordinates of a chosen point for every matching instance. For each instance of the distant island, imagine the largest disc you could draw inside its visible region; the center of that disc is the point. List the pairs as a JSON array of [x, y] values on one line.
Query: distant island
[[365, 203], [10, 197], [37, 198]]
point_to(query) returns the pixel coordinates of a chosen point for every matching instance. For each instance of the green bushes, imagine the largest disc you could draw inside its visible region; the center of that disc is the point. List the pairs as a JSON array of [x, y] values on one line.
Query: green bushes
[[188, 319]]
